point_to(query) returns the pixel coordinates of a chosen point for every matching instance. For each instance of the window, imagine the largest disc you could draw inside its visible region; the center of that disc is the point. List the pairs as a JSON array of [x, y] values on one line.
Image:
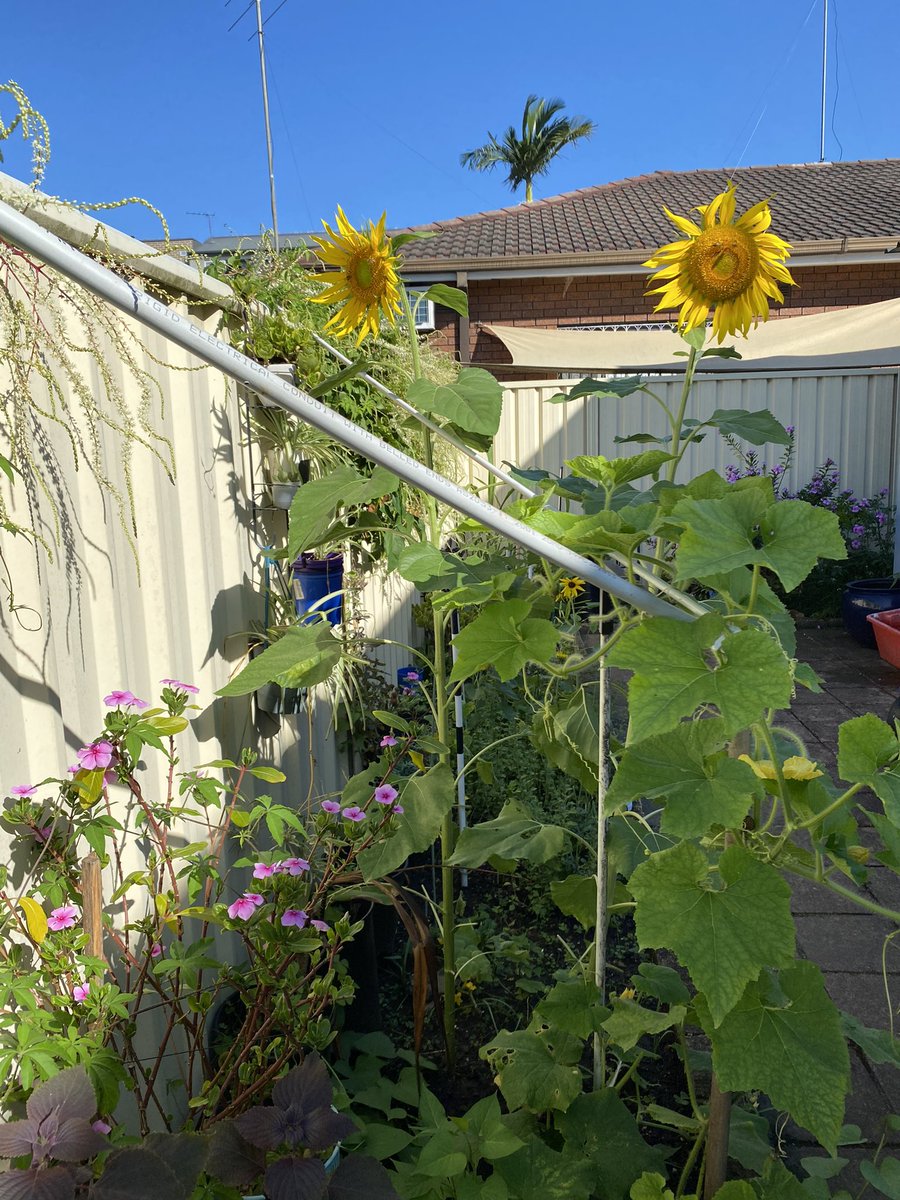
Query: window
[[423, 312]]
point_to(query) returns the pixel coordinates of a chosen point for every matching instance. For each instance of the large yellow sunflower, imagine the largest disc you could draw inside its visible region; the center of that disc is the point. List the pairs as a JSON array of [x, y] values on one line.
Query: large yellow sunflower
[[367, 284], [733, 266]]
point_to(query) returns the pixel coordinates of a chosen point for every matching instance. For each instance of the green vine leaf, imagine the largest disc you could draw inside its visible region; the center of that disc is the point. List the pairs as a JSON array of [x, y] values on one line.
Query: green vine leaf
[[865, 745], [314, 507], [630, 1021], [537, 1172], [305, 656], [784, 1038], [514, 834], [505, 637], [601, 1128], [724, 927], [680, 666], [535, 1069], [426, 799], [701, 786], [473, 402], [573, 1005], [740, 529]]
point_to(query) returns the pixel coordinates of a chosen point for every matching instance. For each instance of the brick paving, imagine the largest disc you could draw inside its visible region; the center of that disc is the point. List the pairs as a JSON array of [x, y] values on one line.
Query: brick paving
[[844, 941]]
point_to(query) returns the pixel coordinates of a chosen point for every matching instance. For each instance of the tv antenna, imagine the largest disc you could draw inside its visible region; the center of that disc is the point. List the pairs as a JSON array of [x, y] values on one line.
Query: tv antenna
[[209, 218], [257, 4]]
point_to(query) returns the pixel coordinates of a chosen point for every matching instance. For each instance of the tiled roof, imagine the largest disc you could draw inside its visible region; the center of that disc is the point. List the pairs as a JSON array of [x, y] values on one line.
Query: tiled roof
[[811, 202]]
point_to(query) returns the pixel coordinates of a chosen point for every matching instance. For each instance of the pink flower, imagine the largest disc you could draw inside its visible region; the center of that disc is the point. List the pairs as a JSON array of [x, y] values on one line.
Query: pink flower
[[179, 686], [398, 809], [385, 794], [294, 916], [156, 950], [95, 757], [123, 700], [81, 991], [74, 769], [42, 834], [387, 740], [109, 777], [62, 918], [245, 906], [292, 866], [22, 789], [263, 871], [320, 925], [101, 1127], [353, 813], [331, 806]]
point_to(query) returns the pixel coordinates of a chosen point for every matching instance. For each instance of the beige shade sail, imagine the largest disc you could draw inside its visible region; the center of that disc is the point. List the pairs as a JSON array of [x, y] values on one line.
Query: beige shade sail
[[861, 337]]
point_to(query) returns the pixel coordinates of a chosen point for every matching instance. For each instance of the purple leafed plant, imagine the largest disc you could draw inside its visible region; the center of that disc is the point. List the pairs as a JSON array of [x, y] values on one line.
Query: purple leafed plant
[[58, 1135], [281, 1141]]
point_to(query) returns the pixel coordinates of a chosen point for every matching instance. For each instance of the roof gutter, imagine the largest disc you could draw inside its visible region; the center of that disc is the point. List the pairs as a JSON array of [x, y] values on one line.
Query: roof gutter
[[24, 233]]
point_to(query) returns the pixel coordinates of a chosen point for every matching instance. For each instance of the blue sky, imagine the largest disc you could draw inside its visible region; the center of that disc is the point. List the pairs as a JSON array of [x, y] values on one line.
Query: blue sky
[[372, 104]]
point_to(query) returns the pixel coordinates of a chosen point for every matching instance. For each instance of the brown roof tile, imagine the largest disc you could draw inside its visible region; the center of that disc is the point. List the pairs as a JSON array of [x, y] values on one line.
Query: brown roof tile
[[811, 202]]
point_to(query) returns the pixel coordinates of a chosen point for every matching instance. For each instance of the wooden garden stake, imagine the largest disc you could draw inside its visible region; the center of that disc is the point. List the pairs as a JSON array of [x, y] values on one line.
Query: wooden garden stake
[[92, 904], [719, 1101]]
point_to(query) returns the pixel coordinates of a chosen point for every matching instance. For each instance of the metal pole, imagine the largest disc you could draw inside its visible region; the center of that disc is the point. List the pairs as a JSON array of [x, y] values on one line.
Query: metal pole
[[265, 95], [824, 78], [21, 231]]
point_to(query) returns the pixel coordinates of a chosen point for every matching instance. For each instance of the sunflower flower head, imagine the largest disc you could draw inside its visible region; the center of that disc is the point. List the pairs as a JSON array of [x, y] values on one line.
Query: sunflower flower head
[[733, 266], [367, 284], [570, 587]]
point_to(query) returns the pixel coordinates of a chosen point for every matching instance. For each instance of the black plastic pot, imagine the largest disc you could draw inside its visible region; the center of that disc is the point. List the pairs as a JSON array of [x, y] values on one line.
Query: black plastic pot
[[864, 596]]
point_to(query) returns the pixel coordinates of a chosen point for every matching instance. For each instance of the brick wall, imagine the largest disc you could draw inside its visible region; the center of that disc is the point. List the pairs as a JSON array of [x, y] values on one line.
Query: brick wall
[[613, 299]]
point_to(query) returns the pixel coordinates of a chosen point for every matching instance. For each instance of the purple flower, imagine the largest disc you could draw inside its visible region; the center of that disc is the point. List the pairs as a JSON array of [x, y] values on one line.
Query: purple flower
[[854, 508], [124, 700], [880, 518], [81, 991], [353, 813], [854, 545], [95, 757], [399, 809], [101, 1127], [42, 833], [22, 789], [789, 429], [857, 529], [263, 871], [320, 925], [156, 950], [827, 503], [179, 686], [331, 806], [292, 866], [63, 917], [385, 794], [387, 740], [244, 907], [294, 916]]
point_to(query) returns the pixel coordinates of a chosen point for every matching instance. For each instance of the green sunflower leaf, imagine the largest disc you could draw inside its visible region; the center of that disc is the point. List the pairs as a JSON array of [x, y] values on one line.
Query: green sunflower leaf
[[473, 402]]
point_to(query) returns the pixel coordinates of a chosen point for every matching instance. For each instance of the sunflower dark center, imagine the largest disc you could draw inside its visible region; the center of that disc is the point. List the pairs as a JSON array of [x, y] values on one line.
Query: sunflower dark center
[[722, 263]]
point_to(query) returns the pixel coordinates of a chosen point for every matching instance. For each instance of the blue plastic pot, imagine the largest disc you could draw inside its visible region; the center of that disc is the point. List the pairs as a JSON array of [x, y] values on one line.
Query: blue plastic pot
[[862, 597], [312, 580]]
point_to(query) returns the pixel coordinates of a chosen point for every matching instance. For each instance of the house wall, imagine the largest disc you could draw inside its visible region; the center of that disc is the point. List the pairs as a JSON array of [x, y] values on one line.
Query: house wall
[[551, 302]]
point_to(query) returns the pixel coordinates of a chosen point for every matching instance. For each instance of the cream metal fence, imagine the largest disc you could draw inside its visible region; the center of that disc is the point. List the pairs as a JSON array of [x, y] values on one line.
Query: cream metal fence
[[851, 417]]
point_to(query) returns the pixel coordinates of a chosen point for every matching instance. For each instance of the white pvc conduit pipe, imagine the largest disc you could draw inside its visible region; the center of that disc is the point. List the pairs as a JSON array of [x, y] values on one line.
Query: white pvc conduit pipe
[[22, 232]]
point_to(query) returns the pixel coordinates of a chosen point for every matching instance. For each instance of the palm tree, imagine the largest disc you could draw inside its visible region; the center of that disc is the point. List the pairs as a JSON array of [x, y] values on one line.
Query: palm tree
[[531, 153]]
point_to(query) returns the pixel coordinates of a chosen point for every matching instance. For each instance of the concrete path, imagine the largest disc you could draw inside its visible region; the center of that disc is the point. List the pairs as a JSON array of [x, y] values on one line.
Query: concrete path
[[844, 941]]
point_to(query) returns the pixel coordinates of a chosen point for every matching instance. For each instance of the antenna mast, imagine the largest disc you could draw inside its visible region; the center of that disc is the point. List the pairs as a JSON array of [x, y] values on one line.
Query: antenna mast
[[824, 79], [265, 95]]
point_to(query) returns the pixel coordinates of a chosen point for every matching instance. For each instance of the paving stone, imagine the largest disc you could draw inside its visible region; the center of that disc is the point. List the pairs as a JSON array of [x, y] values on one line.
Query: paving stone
[[842, 942]]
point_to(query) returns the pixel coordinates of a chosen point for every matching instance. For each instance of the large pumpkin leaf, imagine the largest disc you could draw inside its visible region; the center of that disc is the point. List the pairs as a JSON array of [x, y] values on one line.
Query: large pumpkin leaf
[[604, 1131], [784, 1037], [680, 666], [724, 927], [536, 1069], [503, 636]]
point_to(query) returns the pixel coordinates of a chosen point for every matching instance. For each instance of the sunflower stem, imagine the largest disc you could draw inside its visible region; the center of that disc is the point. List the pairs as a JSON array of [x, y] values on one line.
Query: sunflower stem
[[690, 367], [442, 722]]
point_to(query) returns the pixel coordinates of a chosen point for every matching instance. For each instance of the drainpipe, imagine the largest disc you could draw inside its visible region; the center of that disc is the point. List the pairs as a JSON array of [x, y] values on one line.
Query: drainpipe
[[22, 232]]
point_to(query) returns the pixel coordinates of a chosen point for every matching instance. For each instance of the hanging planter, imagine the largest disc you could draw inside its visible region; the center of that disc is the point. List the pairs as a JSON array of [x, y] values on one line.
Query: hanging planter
[[317, 584]]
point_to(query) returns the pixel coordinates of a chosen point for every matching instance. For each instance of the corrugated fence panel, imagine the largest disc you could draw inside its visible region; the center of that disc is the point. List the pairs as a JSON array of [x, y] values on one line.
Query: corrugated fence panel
[[848, 417], [88, 624]]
